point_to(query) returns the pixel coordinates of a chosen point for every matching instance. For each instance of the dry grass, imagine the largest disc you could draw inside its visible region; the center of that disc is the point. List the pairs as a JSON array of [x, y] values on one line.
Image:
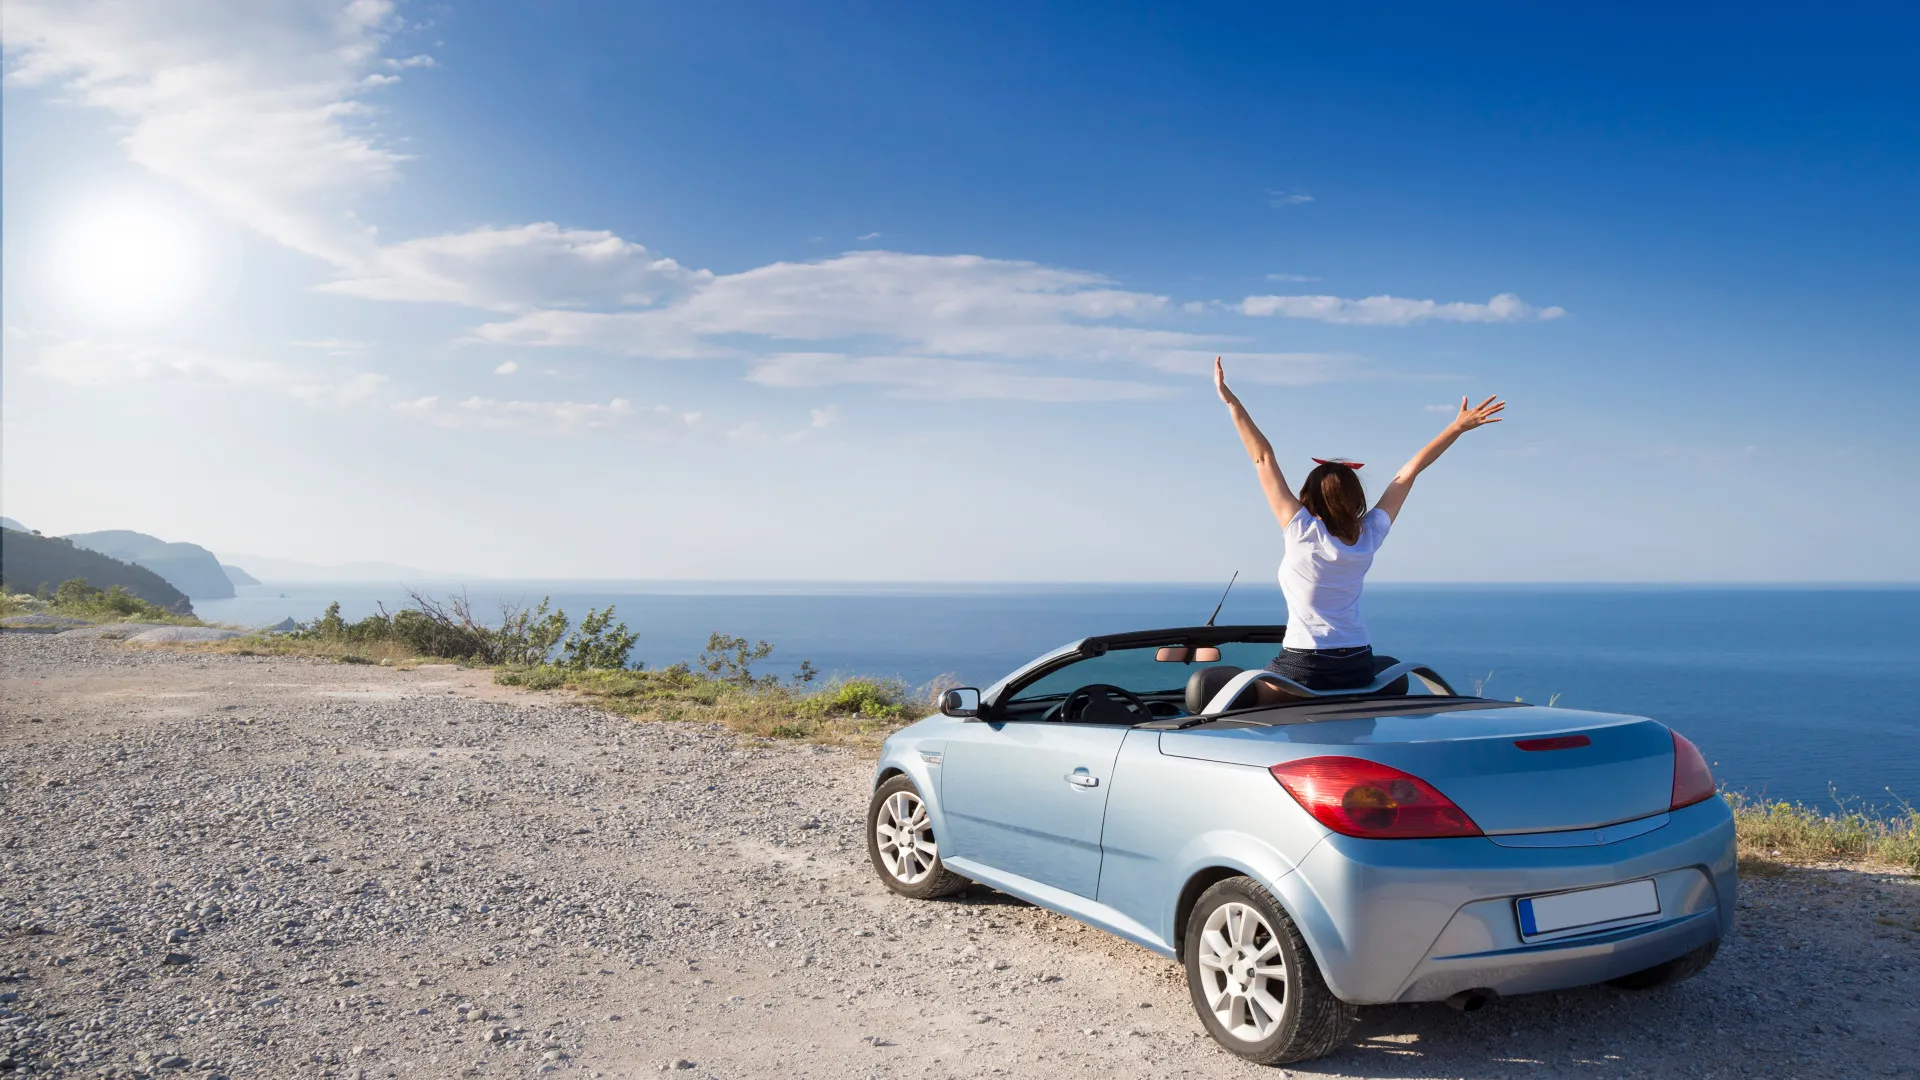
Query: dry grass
[[385, 653], [1778, 835], [854, 712]]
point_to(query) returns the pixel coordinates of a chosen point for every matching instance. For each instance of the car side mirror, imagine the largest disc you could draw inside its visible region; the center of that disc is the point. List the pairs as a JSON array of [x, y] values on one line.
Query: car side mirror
[[961, 701]]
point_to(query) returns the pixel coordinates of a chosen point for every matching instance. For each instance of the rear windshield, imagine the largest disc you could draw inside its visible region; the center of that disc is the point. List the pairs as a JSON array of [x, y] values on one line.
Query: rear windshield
[[1137, 670]]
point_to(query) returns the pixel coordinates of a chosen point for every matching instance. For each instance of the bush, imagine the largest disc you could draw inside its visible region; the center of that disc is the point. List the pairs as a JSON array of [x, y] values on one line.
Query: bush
[[78, 599], [448, 629], [866, 698], [597, 645]]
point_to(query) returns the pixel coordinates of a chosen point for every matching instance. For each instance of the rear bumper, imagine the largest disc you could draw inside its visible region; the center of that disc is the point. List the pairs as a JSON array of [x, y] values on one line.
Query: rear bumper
[[1420, 920]]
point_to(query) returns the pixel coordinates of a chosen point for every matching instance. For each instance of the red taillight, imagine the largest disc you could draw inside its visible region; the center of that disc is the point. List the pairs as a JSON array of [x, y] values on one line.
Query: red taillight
[[1692, 780], [1363, 798]]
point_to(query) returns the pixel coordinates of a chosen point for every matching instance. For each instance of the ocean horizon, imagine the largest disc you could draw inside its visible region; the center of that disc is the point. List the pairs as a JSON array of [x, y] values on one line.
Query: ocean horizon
[[1798, 691]]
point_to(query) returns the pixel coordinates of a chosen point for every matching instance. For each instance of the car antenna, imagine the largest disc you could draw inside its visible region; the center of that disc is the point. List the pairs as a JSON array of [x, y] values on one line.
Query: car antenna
[[1223, 598]]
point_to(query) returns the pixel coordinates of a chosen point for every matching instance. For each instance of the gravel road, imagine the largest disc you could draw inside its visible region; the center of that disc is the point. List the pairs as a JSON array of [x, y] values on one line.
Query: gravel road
[[261, 868]]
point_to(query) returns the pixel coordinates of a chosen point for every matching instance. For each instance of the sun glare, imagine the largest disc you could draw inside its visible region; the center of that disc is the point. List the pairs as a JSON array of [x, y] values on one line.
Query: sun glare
[[131, 259]]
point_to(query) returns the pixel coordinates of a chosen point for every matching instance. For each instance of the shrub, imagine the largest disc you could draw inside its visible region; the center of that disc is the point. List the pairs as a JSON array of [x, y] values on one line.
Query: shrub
[[598, 645], [76, 598], [449, 629], [868, 698]]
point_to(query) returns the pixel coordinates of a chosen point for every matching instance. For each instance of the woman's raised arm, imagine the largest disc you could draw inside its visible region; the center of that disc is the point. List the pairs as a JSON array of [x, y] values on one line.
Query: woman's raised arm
[[1470, 417], [1279, 496]]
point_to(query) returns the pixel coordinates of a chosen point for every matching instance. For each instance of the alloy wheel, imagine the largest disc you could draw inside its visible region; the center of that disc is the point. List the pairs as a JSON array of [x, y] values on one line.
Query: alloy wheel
[[1242, 972], [905, 838]]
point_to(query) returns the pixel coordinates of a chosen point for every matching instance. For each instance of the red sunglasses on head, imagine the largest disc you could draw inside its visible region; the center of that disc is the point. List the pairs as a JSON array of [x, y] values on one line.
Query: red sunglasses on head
[[1348, 464]]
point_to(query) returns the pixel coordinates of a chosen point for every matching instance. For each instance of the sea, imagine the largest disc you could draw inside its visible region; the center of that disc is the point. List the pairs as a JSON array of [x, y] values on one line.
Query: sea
[[1803, 694]]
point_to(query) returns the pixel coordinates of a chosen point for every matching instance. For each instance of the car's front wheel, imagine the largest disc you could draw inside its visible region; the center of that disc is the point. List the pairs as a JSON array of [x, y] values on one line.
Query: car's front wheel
[[901, 843], [1253, 980]]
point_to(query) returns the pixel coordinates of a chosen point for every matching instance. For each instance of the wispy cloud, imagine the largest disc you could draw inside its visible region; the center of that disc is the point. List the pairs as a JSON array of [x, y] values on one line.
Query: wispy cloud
[[1291, 277], [518, 268], [547, 417], [1276, 197], [255, 106], [868, 236], [1395, 310], [939, 378], [506, 368]]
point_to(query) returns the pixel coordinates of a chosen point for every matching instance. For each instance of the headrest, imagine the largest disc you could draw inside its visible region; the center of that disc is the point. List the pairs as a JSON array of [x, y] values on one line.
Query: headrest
[[1203, 684]]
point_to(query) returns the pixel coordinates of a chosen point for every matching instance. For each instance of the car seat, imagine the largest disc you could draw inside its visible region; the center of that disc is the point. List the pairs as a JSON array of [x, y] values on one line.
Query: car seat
[[1203, 684]]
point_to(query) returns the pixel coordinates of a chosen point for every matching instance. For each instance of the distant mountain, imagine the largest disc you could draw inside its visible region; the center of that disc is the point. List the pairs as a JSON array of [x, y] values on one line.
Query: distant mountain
[[188, 567], [28, 562], [238, 576], [9, 523], [277, 571]]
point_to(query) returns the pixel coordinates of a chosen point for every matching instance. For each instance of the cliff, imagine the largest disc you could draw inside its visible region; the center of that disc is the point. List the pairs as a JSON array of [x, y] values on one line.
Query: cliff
[[188, 567]]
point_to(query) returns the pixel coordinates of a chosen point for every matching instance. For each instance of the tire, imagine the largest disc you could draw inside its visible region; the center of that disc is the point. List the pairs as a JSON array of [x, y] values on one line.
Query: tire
[[1685, 966], [1311, 1022], [918, 872]]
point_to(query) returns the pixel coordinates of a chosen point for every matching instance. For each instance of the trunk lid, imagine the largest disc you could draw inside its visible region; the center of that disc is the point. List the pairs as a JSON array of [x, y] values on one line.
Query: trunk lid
[[1625, 770]]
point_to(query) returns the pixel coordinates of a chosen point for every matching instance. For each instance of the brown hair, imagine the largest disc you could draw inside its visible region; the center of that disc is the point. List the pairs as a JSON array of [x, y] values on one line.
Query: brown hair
[[1333, 494]]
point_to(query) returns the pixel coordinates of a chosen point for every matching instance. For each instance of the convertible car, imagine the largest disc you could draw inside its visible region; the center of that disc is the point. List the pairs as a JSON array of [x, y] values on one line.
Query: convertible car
[[1302, 853]]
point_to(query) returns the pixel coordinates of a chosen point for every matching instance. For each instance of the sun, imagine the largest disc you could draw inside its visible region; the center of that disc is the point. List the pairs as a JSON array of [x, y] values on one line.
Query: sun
[[131, 259]]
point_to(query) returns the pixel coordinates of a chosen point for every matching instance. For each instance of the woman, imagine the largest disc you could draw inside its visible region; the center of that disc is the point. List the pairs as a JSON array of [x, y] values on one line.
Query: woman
[[1331, 538]]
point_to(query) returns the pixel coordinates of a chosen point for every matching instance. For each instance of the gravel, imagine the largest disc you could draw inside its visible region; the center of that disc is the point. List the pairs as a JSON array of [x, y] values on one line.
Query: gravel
[[225, 866], [175, 634]]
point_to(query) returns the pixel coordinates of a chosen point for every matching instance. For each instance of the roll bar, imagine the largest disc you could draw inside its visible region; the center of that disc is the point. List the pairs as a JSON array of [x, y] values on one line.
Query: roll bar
[[1237, 685]]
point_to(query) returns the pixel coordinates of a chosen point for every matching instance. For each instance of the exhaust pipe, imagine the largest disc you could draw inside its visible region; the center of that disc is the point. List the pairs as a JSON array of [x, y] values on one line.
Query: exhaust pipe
[[1470, 1000]]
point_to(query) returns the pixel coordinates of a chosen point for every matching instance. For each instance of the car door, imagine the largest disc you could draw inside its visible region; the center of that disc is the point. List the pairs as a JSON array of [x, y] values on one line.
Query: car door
[[1027, 798]]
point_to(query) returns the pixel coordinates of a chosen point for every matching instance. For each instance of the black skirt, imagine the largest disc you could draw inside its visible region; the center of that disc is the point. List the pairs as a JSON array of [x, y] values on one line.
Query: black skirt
[[1330, 669]]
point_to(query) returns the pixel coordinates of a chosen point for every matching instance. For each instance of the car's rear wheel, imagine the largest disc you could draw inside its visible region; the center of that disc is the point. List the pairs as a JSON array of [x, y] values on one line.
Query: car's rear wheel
[[901, 843], [1674, 970], [1253, 980]]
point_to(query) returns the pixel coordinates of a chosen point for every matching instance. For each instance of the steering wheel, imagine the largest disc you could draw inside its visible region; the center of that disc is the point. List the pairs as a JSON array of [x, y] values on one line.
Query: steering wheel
[[1097, 699]]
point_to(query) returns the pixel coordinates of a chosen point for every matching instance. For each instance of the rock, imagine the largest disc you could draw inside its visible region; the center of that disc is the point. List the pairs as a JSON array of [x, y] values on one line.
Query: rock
[[167, 634], [176, 959]]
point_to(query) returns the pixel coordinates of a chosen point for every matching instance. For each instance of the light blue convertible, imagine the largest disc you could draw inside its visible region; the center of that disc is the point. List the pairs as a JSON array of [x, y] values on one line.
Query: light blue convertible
[[1332, 850]]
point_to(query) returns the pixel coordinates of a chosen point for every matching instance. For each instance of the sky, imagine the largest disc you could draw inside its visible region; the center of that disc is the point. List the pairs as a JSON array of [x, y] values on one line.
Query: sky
[[896, 293]]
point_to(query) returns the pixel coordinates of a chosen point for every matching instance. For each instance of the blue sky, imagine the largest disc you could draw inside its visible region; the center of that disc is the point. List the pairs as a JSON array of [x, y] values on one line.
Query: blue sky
[[763, 291]]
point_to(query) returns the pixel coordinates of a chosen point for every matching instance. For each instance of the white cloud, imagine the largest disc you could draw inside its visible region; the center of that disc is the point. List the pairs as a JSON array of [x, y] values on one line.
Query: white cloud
[[518, 268], [1291, 277], [825, 416], [421, 61], [953, 305], [547, 417], [94, 363], [938, 378], [1285, 369], [868, 236], [507, 368], [1287, 198], [1396, 311], [252, 105]]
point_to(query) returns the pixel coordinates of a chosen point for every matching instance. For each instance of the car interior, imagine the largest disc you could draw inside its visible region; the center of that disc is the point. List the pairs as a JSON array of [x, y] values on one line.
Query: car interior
[[1150, 682]]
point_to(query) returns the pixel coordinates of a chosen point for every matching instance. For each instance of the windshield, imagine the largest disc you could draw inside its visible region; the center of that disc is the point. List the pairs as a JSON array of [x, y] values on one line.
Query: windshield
[[1137, 670]]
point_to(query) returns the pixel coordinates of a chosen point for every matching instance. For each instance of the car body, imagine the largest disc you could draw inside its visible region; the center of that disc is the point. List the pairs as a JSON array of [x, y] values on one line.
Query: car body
[[1123, 815]]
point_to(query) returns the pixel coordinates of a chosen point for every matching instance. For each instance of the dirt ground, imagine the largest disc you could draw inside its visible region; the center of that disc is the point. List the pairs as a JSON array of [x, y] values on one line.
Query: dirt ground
[[243, 867]]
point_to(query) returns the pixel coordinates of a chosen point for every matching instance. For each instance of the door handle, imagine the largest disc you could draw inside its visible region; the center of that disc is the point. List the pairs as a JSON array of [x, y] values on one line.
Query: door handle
[[1083, 779]]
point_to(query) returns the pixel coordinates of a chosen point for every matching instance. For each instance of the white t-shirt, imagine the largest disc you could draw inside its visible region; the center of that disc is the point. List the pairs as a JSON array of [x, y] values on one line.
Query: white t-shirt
[[1321, 576]]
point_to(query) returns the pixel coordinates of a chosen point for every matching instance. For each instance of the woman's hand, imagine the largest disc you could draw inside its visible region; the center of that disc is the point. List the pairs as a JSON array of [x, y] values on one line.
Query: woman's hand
[[1220, 383], [1480, 415]]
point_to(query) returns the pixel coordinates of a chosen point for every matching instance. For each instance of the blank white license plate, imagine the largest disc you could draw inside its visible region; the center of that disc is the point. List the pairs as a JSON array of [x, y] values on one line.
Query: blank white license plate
[[1555, 913]]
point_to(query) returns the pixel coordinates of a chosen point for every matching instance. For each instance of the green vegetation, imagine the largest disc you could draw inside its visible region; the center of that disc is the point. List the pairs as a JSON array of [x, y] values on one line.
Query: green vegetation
[[721, 687], [75, 599], [1777, 834], [30, 563]]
